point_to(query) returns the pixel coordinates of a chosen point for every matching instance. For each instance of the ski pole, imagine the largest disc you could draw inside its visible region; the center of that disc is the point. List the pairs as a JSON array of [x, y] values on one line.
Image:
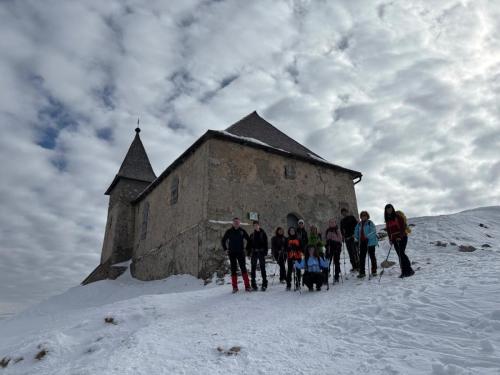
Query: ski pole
[[274, 275], [344, 246], [328, 277], [386, 259], [369, 268]]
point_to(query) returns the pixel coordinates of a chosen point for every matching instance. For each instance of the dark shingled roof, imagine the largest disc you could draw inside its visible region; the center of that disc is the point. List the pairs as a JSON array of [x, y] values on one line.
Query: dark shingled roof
[[249, 131], [254, 126], [136, 165]]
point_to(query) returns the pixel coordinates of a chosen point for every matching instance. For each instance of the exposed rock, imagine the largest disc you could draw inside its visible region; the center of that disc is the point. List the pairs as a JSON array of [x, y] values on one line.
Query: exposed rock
[[387, 264], [453, 243], [411, 225], [234, 350], [483, 226], [466, 248], [110, 320], [440, 244], [41, 354], [485, 245], [4, 362]]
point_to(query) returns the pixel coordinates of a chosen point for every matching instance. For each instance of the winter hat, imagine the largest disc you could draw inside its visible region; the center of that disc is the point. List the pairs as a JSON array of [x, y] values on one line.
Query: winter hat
[[301, 221]]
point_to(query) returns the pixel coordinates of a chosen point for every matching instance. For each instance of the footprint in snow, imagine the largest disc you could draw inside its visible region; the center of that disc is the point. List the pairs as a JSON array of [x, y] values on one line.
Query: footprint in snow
[[495, 315], [443, 316], [487, 346], [425, 300]]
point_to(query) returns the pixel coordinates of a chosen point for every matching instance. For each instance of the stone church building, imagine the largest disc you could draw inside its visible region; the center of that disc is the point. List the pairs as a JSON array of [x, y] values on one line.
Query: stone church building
[[173, 223]]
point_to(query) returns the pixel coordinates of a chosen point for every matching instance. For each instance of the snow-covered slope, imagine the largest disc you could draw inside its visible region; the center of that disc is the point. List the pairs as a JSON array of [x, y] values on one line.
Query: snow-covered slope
[[444, 320]]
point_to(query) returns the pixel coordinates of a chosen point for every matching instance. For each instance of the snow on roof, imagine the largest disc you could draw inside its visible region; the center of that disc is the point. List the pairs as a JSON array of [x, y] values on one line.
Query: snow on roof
[[249, 139], [317, 158], [225, 222]]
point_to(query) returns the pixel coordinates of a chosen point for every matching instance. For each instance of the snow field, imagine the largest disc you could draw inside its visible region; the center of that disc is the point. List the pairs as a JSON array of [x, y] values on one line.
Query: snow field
[[443, 320]]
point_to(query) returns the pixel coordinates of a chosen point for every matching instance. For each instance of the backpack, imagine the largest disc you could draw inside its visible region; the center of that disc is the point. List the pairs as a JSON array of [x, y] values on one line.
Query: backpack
[[402, 215]]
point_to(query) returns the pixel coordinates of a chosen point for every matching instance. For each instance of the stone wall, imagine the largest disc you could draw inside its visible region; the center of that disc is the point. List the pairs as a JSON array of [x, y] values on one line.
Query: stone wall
[[221, 180], [118, 236], [244, 179], [174, 232]]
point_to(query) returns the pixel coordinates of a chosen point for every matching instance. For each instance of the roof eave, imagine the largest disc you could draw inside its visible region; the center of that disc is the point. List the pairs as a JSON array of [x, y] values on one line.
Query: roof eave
[[117, 178], [173, 165], [219, 135]]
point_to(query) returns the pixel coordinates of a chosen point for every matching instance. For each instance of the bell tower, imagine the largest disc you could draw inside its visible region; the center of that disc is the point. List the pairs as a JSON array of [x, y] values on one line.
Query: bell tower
[[134, 175]]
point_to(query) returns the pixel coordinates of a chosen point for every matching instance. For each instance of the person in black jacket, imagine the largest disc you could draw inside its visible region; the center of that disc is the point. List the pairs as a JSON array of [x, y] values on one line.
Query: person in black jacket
[[347, 226], [302, 235], [233, 243], [259, 247], [279, 249]]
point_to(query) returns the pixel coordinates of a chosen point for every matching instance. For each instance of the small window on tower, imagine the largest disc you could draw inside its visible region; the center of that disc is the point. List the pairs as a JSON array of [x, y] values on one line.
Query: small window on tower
[[145, 217], [174, 191], [290, 171]]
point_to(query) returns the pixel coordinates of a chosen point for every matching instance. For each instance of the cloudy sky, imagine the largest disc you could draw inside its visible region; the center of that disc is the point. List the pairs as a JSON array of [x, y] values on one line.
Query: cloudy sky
[[404, 91]]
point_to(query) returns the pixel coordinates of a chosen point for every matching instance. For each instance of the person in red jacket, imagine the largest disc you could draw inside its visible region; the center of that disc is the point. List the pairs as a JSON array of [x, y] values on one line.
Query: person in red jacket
[[395, 225]]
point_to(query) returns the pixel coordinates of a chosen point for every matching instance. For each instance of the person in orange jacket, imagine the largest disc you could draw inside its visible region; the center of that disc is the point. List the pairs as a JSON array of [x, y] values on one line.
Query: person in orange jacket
[[294, 254]]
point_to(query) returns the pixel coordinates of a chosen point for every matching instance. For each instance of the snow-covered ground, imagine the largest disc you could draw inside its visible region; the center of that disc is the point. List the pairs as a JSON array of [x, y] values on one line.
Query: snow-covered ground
[[444, 320]]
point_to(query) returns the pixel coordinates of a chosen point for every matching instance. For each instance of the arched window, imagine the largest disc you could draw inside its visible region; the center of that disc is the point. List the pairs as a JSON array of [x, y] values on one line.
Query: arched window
[[292, 220]]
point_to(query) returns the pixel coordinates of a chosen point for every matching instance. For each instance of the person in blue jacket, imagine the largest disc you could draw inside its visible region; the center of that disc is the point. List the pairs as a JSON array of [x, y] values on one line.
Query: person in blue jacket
[[312, 265], [365, 234]]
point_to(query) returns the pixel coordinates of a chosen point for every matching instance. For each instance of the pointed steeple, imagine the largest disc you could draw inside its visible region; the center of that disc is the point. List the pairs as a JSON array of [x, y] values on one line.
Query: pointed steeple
[[136, 165]]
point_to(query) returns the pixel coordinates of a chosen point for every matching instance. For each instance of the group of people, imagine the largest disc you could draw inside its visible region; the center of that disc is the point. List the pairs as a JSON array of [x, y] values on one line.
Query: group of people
[[307, 257]]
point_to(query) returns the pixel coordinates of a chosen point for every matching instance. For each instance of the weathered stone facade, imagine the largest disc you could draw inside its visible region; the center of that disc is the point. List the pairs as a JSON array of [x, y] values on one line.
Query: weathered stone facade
[[173, 225]]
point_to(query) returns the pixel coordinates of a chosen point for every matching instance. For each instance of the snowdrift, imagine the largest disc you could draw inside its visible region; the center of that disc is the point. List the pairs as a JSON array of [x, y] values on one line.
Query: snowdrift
[[443, 320]]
